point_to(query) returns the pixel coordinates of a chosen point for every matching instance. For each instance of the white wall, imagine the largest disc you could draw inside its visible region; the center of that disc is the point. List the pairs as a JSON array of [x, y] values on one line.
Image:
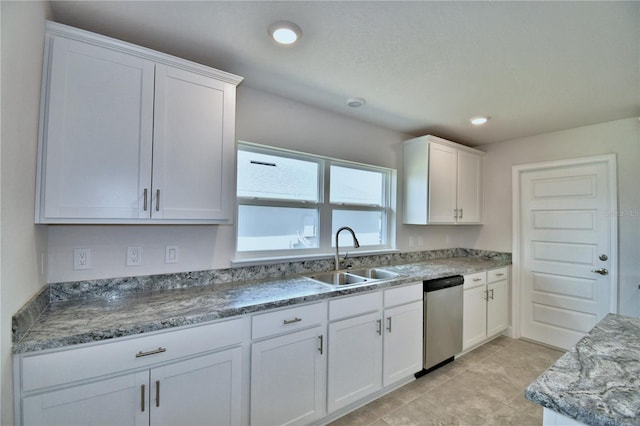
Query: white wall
[[261, 118], [619, 137], [22, 242]]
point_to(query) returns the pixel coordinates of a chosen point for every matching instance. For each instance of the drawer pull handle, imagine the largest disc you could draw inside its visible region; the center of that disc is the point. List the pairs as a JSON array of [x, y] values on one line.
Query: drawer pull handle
[[296, 319], [153, 352], [477, 279], [499, 274]]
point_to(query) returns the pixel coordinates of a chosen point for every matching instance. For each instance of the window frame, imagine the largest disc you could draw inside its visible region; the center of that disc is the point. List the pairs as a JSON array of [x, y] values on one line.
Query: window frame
[[324, 206]]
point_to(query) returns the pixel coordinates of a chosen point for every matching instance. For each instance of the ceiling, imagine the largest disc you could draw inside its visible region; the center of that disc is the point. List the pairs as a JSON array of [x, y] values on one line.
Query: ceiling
[[424, 67]]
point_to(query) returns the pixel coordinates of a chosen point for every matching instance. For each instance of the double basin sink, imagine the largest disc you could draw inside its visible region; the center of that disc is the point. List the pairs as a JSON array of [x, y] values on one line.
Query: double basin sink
[[353, 277]]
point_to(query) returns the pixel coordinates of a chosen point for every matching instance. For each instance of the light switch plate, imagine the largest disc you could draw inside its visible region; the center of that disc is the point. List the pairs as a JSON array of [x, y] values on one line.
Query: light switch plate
[[172, 254]]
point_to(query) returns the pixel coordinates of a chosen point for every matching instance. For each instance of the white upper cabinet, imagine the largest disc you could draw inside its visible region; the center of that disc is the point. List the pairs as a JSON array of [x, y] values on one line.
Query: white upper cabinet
[[442, 182], [129, 135]]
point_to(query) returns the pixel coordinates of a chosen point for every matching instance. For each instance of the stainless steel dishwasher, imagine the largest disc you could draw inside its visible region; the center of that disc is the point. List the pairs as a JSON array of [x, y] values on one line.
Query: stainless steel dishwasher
[[443, 299]]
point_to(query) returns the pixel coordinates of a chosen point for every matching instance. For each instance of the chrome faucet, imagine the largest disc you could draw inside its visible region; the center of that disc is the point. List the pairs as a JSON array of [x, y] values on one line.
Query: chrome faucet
[[356, 244]]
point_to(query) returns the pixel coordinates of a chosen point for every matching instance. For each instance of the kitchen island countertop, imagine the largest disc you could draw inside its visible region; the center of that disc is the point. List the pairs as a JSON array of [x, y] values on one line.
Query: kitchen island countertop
[[597, 382], [71, 322]]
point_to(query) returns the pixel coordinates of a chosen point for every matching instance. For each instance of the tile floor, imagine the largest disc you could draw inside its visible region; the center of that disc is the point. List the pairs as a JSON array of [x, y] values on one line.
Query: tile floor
[[484, 387]]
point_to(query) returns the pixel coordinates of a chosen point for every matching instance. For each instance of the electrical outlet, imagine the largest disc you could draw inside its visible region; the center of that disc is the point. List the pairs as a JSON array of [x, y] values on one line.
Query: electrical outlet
[[81, 259], [171, 254], [134, 256]]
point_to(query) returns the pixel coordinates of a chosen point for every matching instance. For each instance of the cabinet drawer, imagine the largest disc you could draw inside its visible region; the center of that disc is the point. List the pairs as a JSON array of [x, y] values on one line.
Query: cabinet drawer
[[295, 318], [355, 305], [474, 280], [82, 363], [402, 295], [498, 274]]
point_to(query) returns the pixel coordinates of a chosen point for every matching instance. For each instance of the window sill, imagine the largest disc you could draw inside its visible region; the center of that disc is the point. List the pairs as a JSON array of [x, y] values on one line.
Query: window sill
[[301, 258]]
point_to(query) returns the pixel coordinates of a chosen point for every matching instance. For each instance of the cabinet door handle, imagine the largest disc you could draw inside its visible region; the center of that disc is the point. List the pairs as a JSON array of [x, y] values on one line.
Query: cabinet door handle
[[153, 352], [491, 294], [145, 199], [486, 295], [389, 324], [379, 327], [142, 398], [321, 348], [157, 200], [157, 393], [455, 213], [291, 321], [461, 214]]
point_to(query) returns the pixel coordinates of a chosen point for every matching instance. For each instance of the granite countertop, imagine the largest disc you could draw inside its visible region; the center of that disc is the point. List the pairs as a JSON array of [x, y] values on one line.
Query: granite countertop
[[598, 381], [69, 322]]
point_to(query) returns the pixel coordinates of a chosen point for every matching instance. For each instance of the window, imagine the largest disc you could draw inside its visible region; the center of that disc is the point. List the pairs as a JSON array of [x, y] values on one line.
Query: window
[[291, 203]]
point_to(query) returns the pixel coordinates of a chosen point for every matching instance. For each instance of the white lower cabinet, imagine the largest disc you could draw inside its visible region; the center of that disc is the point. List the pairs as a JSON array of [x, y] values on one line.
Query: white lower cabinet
[[375, 340], [486, 306], [355, 349], [144, 381], [403, 341], [288, 371]]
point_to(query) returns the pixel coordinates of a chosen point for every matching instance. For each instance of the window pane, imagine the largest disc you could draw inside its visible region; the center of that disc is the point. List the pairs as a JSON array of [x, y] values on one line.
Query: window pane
[[276, 228], [276, 177], [368, 226], [355, 186]]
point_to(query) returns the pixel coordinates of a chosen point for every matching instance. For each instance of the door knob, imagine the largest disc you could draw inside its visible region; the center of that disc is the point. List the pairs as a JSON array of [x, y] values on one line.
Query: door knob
[[601, 271]]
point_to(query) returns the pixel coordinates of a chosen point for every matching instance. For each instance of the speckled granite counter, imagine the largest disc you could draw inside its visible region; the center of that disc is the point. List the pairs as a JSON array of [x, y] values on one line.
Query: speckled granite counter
[[598, 381], [73, 313]]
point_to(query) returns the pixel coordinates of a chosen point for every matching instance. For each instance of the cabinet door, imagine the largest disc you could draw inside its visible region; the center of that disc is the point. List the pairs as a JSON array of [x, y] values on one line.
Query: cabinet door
[[288, 378], [355, 359], [193, 149], [198, 391], [469, 187], [402, 342], [497, 307], [114, 401], [442, 183], [474, 329], [95, 153]]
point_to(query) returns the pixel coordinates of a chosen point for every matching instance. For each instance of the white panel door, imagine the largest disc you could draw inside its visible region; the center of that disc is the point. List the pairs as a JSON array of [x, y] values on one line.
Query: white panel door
[[402, 353], [565, 232], [355, 359], [193, 149], [442, 183], [288, 379], [99, 131], [115, 401], [469, 188], [200, 391]]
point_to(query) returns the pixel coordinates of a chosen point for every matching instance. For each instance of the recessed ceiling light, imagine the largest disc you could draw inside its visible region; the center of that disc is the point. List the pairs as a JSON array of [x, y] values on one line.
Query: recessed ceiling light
[[477, 121], [356, 102], [285, 32]]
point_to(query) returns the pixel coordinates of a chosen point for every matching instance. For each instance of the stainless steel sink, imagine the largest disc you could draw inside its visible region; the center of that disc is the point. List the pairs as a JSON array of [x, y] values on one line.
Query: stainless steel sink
[[354, 277], [374, 273], [338, 278]]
